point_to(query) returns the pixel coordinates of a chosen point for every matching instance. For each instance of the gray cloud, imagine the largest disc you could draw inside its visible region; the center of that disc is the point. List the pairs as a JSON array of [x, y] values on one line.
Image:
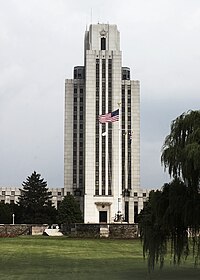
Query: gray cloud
[[41, 41]]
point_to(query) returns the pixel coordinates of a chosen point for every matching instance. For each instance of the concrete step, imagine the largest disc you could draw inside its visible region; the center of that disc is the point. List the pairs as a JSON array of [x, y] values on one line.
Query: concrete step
[[53, 232], [104, 231]]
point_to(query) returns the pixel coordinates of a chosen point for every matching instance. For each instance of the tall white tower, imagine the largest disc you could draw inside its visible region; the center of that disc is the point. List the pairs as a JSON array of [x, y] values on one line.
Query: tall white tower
[[102, 161]]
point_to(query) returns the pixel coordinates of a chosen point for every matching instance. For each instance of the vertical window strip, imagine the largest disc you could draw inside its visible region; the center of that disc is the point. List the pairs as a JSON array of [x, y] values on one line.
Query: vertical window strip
[[103, 126], [81, 140], [75, 140], [123, 135], [97, 130], [110, 128], [129, 140]]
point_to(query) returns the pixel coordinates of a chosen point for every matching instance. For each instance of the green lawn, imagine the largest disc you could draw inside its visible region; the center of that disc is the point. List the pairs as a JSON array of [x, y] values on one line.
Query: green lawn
[[63, 258]]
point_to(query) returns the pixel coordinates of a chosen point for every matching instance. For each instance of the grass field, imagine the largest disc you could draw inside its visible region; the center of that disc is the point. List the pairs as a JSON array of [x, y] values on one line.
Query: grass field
[[49, 258]]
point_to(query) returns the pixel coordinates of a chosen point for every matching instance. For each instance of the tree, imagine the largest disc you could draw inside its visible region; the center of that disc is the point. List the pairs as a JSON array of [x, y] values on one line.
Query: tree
[[69, 211], [35, 200], [173, 214], [5, 214], [181, 149]]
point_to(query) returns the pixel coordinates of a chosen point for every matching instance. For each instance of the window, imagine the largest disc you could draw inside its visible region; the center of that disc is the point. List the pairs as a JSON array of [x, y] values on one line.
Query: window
[[75, 75], [97, 192], [59, 193], [103, 43], [12, 201], [126, 212], [3, 193], [12, 192], [135, 194], [144, 194], [49, 193]]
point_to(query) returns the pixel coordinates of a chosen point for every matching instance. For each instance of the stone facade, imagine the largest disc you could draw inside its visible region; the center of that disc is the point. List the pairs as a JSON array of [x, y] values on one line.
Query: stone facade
[[15, 230], [11, 195], [118, 230], [24, 229], [102, 161]]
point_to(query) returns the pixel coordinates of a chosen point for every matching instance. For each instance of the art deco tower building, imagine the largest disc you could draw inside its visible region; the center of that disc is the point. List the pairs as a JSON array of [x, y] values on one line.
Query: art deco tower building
[[102, 161]]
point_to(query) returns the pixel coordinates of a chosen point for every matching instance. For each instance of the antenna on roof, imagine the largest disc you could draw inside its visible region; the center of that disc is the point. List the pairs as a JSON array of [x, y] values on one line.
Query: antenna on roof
[[91, 16]]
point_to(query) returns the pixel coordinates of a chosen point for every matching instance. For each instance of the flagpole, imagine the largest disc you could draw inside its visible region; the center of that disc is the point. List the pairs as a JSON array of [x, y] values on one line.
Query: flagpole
[[120, 167]]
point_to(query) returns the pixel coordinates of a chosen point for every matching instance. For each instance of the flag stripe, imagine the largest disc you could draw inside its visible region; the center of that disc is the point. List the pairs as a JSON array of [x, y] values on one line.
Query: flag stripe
[[109, 117]]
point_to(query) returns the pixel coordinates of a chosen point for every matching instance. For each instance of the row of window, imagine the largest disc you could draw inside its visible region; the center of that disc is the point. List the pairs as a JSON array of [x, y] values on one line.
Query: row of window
[[135, 194], [76, 90], [4, 193], [78, 138]]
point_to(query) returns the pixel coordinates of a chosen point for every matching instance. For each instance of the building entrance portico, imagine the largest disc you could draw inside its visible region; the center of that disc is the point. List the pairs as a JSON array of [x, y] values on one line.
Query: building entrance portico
[[103, 209]]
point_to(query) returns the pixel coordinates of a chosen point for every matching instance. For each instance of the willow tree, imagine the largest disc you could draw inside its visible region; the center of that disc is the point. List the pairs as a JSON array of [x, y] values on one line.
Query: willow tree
[[181, 149], [173, 214]]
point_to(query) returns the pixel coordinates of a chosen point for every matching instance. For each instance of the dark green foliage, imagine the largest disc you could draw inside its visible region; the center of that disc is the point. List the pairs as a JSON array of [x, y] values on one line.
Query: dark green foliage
[[5, 214], [172, 215], [69, 211], [164, 221], [34, 201], [18, 211], [181, 150], [7, 211]]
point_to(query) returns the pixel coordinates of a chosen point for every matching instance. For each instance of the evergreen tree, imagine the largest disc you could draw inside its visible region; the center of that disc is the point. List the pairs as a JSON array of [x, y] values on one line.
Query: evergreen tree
[[69, 211], [34, 200]]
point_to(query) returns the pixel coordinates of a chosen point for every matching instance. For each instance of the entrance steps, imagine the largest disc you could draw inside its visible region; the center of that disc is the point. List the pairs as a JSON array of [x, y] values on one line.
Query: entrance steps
[[52, 232], [104, 231]]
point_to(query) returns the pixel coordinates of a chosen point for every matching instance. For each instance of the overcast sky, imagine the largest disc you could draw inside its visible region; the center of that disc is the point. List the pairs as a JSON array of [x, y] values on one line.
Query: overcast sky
[[40, 43]]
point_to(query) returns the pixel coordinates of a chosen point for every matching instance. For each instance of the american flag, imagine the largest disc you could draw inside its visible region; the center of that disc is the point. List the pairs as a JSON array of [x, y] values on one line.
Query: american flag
[[109, 117]]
